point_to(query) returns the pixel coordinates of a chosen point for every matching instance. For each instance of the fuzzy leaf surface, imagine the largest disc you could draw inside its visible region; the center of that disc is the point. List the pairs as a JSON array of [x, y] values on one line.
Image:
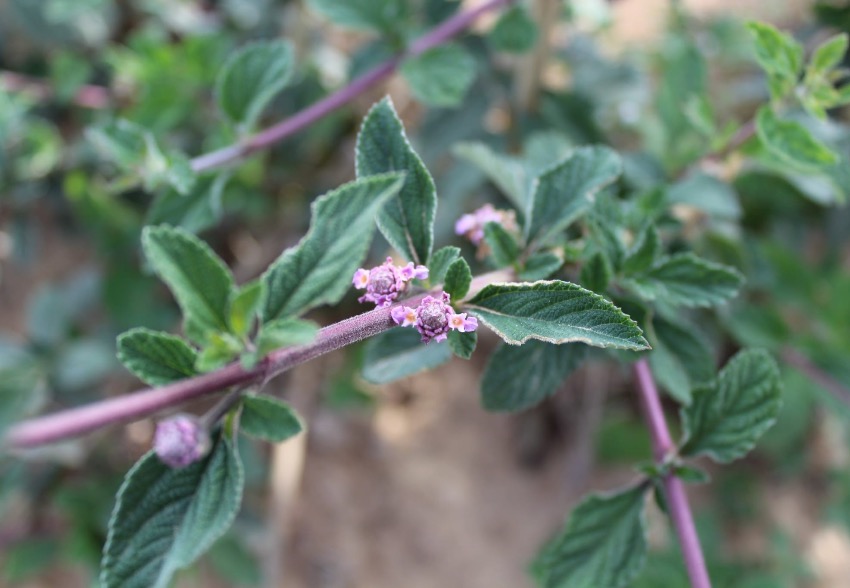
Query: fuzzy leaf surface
[[399, 353], [440, 76], [687, 280], [556, 312], [440, 262], [458, 279], [463, 344], [156, 358], [268, 418]]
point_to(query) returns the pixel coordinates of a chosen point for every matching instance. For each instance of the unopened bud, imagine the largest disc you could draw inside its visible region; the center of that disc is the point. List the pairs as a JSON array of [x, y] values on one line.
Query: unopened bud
[[181, 440]]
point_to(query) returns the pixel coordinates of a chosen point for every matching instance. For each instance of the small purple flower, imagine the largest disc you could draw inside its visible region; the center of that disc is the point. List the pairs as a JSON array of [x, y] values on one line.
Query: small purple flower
[[472, 225], [384, 283], [181, 440], [434, 318]]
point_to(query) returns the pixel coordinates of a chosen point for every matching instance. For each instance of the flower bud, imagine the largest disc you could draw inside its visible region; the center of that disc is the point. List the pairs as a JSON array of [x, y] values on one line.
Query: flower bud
[[384, 283], [181, 440], [434, 318]]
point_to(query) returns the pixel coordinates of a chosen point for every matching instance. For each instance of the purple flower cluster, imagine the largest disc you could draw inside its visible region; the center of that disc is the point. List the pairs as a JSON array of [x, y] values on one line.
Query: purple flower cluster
[[472, 225], [386, 282], [181, 440], [434, 318]]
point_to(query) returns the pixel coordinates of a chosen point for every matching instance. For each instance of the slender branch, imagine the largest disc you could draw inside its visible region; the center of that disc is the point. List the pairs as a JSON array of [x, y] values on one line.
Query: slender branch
[[674, 488], [325, 106], [87, 96], [136, 405]]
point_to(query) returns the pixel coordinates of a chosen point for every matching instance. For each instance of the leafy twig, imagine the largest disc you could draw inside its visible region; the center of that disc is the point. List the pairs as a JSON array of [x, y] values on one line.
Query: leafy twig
[[674, 488]]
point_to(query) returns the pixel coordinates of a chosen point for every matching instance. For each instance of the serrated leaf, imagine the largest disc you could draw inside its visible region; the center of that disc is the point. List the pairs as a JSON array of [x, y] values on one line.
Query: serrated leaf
[[156, 358], [596, 273], [377, 15], [197, 277], [195, 211], [514, 32], [406, 221], [318, 270], [517, 378], [680, 359], [440, 262], [556, 312], [687, 280], [399, 353], [792, 143], [165, 518], [285, 331], [829, 54], [244, 306], [725, 419], [251, 77], [221, 349], [458, 279], [505, 172], [603, 544], [503, 246], [268, 418], [644, 251], [566, 191], [463, 344], [779, 55], [540, 266], [440, 76]]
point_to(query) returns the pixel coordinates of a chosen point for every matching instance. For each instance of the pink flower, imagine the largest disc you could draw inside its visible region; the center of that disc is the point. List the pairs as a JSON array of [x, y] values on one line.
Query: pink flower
[[181, 440], [384, 283], [472, 225], [434, 318]]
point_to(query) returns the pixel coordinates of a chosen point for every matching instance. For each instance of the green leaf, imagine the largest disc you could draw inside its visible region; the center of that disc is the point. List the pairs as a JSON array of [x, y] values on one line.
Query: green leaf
[[505, 172], [221, 349], [687, 280], [596, 273], [165, 518], [463, 344], [377, 15], [399, 353], [195, 211], [244, 306], [458, 279], [792, 143], [285, 331], [514, 32], [503, 246], [318, 270], [156, 358], [517, 378], [22, 390], [704, 192], [691, 474], [251, 77], [440, 262], [829, 54], [566, 191], [267, 418], [644, 251], [197, 277], [726, 418], [440, 76], [680, 359], [407, 221], [556, 312], [121, 142], [602, 545], [540, 266], [779, 55]]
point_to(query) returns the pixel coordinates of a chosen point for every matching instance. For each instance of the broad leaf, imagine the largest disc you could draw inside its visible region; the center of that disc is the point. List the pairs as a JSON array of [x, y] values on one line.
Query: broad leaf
[[458, 279], [406, 221], [687, 280], [378, 15], [463, 344], [680, 358], [829, 54], [251, 77], [726, 418], [156, 358], [503, 246], [195, 211], [318, 270], [165, 518], [440, 76], [285, 331], [197, 277], [505, 172], [566, 191], [515, 31], [792, 143], [399, 353], [644, 252], [596, 273], [556, 312], [779, 55], [268, 418], [440, 262], [602, 545], [540, 266], [517, 378]]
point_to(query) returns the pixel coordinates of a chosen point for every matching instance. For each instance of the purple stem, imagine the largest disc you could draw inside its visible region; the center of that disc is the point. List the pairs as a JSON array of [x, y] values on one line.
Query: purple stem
[[143, 403], [674, 488], [328, 104]]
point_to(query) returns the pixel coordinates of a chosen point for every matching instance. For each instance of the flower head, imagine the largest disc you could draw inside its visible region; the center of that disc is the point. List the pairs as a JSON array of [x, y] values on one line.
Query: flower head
[[472, 225], [181, 440], [384, 283], [434, 318]]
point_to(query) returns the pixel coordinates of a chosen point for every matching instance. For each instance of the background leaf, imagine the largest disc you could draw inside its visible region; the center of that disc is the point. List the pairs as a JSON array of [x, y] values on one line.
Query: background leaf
[[267, 418], [463, 344], [399, 353], [792, 143], [440, 76], [376, 15], [514, 32], [156, 358], [458, 279], [440, 262]]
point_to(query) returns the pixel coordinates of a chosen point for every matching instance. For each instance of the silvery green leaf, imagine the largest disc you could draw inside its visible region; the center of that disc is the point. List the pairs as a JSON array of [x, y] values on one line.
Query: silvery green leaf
[[399, 353], [505, 172], [156, 358], [503, 246], [268, 418], [463, 344], [792, 143], [440, 76], [440, 262], [458, 279]]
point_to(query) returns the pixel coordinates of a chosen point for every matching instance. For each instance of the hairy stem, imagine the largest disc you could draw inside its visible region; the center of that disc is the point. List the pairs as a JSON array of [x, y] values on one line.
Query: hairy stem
[[325, 106], [136, 405], [674, 488]]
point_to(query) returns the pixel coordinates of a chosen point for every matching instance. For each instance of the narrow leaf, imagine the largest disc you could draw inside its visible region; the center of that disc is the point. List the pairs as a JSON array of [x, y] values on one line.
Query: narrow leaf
[[644, 252], [197, 277], [556, 312], [458, 279], [244, 306], [399, 353], [318, 270], [268, 418], [156, 358], [726, 418], [440, 76], [407, 221], [165, 518]]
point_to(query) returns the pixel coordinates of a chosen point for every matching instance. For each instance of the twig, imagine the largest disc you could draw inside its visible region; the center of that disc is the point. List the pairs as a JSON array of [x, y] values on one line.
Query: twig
[[674, 488], [87, 96], [136, 405], [325, 106]]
